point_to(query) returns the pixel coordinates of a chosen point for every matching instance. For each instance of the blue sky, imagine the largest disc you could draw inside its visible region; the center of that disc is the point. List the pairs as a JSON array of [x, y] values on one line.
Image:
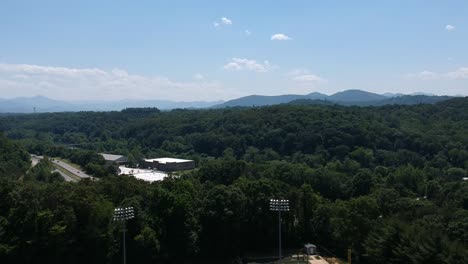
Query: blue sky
[[210, 50]]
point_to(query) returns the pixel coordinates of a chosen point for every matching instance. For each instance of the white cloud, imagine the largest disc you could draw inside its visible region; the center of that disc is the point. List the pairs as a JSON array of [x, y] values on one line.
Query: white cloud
[[237, 64], [198, 76], [457, 74], [78, 84], [460, 73], [303, 75], [428, 75], [449, 27], [280, 37], [308, 78], [247, 32], [222, 22], [59, 71], [226, 21]]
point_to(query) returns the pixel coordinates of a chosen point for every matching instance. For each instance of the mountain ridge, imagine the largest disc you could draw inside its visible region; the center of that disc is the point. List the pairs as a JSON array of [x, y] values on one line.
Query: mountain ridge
[[399, 100], [355, 95], [263, 100], [40, 104], [347, 97]]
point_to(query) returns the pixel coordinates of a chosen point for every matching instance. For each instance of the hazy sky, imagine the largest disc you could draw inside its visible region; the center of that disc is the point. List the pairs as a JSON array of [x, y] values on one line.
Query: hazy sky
[[210, 50]]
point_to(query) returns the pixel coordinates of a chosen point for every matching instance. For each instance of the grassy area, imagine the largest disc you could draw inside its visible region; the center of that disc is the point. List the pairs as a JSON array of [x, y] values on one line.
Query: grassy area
[[334, 260], [291, 261], [287, 260], [184, 172], [284, 262], [64, 171], [295, 260]]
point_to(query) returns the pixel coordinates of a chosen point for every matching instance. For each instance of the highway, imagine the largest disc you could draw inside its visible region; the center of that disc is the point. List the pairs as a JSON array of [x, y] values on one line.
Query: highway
[[65, 176], [65, 166]]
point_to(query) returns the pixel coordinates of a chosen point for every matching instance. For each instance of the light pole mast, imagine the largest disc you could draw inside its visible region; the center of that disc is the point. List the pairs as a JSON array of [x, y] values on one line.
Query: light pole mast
[[122, 214], [279, 206]]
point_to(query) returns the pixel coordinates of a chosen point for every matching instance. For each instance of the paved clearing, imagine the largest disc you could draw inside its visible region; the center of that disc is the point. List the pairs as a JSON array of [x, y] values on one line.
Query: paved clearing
[[34, 160]]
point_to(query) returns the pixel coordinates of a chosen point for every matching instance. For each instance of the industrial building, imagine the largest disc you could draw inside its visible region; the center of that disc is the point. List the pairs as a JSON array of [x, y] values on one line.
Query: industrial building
[[114, 159], [169, 164]]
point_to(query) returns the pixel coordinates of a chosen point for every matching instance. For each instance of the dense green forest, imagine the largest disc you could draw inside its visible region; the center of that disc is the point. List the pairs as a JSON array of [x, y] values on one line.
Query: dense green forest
[[385, 181]]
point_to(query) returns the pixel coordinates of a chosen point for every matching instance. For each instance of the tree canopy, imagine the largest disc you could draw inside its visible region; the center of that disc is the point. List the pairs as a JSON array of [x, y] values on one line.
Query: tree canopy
[[385, 181]]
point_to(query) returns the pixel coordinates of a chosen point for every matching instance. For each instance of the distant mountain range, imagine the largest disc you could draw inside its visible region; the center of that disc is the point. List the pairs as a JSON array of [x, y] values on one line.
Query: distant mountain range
[[400, 100], [261, 100], [42, 104], [348, 97]]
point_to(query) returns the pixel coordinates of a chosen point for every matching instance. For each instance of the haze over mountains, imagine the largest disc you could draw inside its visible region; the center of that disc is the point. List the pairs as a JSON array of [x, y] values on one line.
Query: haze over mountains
[[41, 104]]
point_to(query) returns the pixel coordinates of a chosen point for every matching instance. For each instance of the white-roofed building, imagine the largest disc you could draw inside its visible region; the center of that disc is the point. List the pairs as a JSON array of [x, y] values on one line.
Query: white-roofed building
[[143, 174], [116, 159], [170, 164]]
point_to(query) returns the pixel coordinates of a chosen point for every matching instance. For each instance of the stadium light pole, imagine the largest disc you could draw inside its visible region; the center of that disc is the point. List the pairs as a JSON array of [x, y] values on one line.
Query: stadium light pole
[[279, 206], [122, 214]]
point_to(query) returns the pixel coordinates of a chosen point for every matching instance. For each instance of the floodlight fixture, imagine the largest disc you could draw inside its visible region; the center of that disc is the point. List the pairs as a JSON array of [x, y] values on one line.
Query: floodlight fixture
[[279, 205], [121, 215]]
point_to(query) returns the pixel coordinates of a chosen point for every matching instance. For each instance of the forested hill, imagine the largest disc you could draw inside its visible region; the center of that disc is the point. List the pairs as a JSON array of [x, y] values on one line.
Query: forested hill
[[386, 181], [14, 160], [262, 100], [348, 97], [397, 100], [285, 129]]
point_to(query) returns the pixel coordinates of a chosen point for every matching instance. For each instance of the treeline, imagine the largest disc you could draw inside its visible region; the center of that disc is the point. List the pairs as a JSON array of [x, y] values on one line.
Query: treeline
[[14, 160], [384, 181], [279, 131]]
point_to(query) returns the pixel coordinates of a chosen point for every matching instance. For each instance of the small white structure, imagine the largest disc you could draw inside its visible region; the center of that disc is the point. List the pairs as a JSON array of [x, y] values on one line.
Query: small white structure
[[142, 174], [310, 249]]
